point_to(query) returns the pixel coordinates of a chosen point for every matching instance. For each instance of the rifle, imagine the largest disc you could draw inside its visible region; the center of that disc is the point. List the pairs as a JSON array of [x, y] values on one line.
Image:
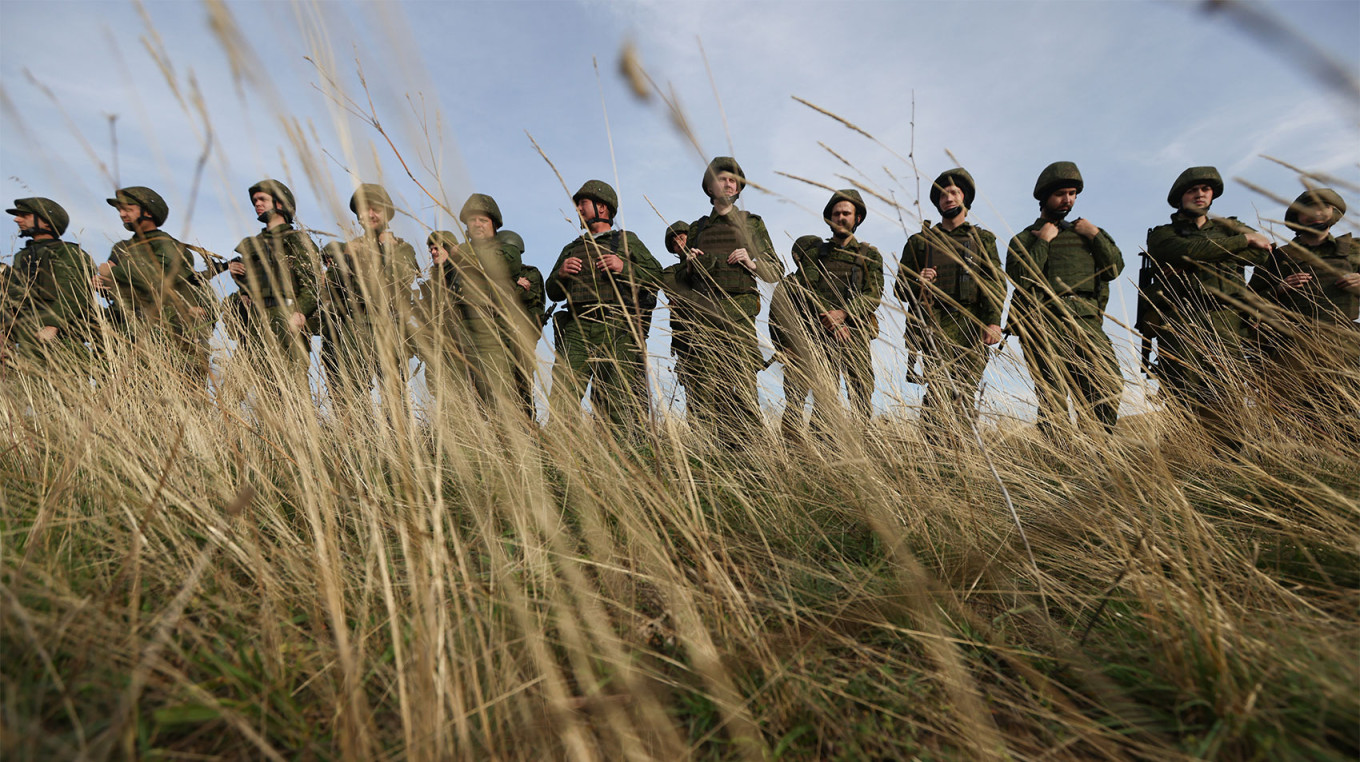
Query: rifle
[[1147, 318]]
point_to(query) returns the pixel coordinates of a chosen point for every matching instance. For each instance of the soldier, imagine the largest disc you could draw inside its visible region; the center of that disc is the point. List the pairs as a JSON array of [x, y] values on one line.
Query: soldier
[[275, 273], [529, 292], [1201, 263], [366, 299], [1062, 271], [951, 280], [680, 302], [793, 321], [839, 284], [601, 275], [48, 305], [151, 281], [729, 250], [1312, 287]]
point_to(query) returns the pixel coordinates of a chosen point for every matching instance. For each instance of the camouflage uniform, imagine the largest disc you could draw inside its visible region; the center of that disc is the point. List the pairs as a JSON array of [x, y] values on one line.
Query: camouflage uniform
[[532, 302], [599, 337], [155, 290], [680, 303], [280, 280], [967, 296], [366, 303], [1201, 359], [1062, 288], [726, 350], [1310, 334], [840, 273], [49, 286]]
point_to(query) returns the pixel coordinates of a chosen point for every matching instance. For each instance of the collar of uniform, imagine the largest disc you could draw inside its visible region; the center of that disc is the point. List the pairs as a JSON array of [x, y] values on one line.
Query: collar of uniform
[[601, 234], [278, 229]]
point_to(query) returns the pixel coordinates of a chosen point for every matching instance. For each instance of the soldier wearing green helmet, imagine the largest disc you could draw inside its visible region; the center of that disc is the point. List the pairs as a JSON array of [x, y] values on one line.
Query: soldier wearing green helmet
[[1311, 290], [47, 305], [1062, 271], [602, 275], [680, 304], [1201, 263], [529, 293], [151, 282], [951, 282], [275, 274], [729, 250], [366, 302], [838, 284]]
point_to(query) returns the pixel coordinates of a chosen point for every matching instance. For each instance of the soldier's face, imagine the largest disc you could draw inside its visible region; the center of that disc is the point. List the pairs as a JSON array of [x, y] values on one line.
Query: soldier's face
[[263, 202], [372, 217], [725, 185], [480, 227], [681, 241], [1315, 217], [1197, 198], [843, 217], [1060, 202], [130, 214], [25, 221], [951, 198]]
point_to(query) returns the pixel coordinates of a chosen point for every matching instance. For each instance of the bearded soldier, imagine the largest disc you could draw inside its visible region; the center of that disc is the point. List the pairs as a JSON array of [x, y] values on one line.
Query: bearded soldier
[[729, 250], [1312, 287], [1062, 271], [601, 275], [951, 278], [840, 283], [48, 304], [275, 272], [367, 298], [151, 281], [1201, 264]]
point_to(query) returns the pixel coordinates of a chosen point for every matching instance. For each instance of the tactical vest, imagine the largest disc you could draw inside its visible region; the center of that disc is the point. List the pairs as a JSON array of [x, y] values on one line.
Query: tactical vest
[[956, 260], [840, 274], [718, 238], [1321, 298], [591, 286], [1207, 285], [182, 292], [1071, 268], [272, 261]]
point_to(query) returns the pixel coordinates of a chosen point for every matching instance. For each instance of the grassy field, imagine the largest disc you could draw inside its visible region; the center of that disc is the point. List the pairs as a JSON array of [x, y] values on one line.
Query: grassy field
[[189, 575]]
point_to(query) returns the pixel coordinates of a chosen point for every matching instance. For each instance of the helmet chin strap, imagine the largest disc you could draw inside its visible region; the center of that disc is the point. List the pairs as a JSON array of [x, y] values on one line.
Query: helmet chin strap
[[950, 214]]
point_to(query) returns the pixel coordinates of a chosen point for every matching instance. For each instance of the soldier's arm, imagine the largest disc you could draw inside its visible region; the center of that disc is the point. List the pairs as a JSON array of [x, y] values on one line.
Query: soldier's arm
[[1168, 247], [514, 258], [302, 269], [646, 271], [557, 291], [145, 271], [991, 282], [532, 297], [768, 266], [905, 287], [1026, 257], [1108, 259], [1265, 279]]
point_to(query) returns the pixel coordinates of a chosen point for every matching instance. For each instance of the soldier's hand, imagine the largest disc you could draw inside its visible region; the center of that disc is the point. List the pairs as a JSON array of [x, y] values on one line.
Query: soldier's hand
[[929, 275], [99, 283], [236, 268], [1258, 241], [570, 267], [692, 253], [523, 283], [1296, 280], [741, 257], [297, 321], [842, 333], [610, 262], [1047, 232], [48, 333], [833, 319], [1350, 282], [991, 335], [1085, 228]]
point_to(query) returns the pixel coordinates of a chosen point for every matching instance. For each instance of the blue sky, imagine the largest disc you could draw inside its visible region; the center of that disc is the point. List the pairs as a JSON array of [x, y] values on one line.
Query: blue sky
[[1133, 92]]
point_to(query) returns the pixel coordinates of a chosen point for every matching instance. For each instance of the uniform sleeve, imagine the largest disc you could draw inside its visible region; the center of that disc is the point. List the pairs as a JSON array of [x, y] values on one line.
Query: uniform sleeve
[[768, 266], [905, 287], [305, 259], [645, 270], [532, 297], [147, 271], [865, 303], [557, 291], [1168, 247], [1026, 258], [1108, 259], [992, 295]]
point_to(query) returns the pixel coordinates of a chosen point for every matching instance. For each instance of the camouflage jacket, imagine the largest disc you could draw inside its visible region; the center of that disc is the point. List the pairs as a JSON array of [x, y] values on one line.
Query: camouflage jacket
[[1069, 275], [368, 276], [1321, 298], [641, 272], [968, 271], [681, 303], [840, 277], [49, 285], [154, 280], [532, 299], [717, 236], [1203, 269], [281, 265]]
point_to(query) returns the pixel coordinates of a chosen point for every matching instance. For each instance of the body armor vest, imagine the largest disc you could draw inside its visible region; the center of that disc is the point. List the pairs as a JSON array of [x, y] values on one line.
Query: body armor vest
[[840, 274], [273, 261], [590, 286], [1321, 298], [719, 238], [955, 259], [1071, 268]]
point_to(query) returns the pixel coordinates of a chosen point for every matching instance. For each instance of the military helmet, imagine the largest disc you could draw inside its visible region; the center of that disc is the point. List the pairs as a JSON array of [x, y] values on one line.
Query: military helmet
[[851, 195], [718, 166], [1194, 176], [676, 229], [1059, 174], [511, 238], [599, 191], [150, 202], [443, 239], [480, 203], [372, 195], [44, 209], [1314, 197], [959, 178], [281, 195]]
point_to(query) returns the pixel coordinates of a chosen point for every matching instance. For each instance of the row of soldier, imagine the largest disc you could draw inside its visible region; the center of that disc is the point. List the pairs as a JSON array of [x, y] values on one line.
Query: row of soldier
[[477, 316]]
